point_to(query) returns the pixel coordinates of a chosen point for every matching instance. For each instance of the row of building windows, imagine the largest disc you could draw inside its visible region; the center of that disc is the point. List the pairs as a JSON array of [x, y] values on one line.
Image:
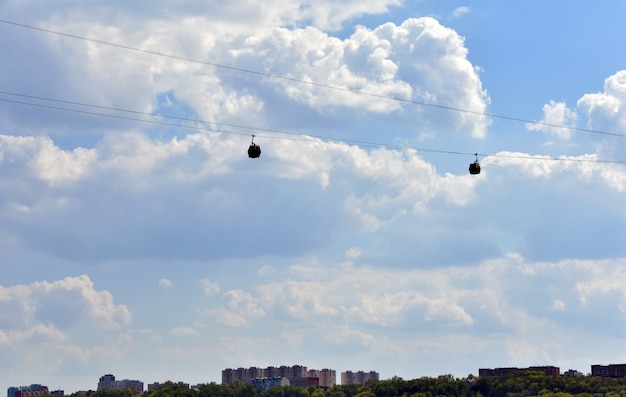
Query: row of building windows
[[605, 371], [609, 371], [32, 391], [108, 382], [298, 375], [548, 370]]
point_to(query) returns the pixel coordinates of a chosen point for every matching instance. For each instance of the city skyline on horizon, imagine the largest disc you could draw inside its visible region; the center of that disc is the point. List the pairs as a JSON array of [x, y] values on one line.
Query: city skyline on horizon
[[138, 233], [545, 368]]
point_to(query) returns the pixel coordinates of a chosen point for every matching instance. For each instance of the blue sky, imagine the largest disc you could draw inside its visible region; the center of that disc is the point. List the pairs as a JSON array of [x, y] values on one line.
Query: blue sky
[[141, 241]]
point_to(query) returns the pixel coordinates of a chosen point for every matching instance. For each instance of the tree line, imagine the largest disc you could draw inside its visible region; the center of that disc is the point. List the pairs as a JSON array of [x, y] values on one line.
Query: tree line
[[525, 384]]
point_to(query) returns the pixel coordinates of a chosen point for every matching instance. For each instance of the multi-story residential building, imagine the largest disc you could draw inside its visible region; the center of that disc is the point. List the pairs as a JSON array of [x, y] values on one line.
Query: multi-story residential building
[[267, 383], [291, 373], [27, 391], [548, 370], [497, 371], [243, 374], [298, 375], [357, 378], [327, 377], [609, 371], [572, 373], [156, 385], [108, 382], [306, 382]]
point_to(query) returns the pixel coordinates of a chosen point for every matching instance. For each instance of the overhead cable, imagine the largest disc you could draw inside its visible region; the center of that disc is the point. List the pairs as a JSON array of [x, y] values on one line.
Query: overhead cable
[[310, 83], [294, 136]]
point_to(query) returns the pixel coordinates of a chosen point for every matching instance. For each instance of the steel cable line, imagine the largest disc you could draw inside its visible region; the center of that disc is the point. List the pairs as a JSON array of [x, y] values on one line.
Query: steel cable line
[[300, 136], [311, 83]]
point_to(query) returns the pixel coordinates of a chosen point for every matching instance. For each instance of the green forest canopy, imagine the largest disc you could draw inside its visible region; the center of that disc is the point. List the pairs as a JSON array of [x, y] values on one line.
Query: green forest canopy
[[518, 385]]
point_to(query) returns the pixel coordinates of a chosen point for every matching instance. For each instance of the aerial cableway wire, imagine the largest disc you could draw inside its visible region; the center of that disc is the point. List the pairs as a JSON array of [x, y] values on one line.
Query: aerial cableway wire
[[203, 127], [311, 83], [293, 136]]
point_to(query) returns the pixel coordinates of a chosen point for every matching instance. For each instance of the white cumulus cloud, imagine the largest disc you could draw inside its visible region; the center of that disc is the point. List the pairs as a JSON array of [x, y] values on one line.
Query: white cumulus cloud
[[558, 119], [184, 331], [61, 303], [165, 283], [209, 287]]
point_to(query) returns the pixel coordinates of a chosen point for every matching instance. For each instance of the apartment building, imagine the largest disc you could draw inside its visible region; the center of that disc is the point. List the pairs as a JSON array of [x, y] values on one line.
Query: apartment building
[[358, 378], [242, 374], [291, 373], [246, 374], [27, 391], [548, 370], [298, 375], [327, 377], [108, 382], [609, 371], [267, 383], [157, 385]]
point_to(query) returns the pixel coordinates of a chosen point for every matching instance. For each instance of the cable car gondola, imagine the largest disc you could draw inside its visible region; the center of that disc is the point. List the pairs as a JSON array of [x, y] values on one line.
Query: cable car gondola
[[254, 150], [474, 168]]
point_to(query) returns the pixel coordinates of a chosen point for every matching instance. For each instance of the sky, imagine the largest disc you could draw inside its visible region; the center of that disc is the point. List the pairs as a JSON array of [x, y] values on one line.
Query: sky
[[138, 239]]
